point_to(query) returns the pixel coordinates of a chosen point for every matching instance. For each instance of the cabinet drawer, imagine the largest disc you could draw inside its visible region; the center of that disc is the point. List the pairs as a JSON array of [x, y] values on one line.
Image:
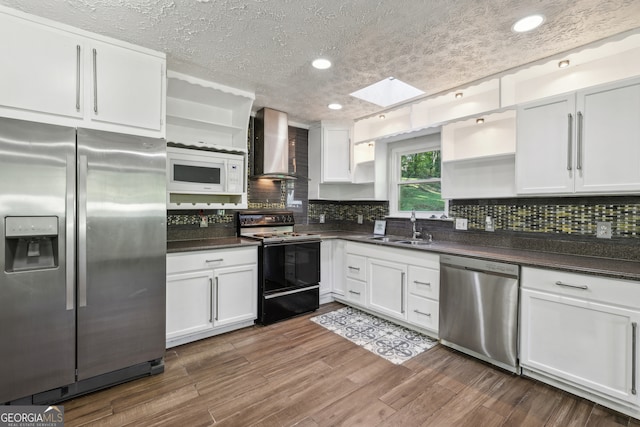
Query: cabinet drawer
[[424, 282], [187, 261], [356, 292], [583, 286], [356, 267], [423, 312]]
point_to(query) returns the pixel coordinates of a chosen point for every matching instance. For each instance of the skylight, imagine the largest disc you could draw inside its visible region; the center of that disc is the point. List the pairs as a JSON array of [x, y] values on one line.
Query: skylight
[[387, 92]]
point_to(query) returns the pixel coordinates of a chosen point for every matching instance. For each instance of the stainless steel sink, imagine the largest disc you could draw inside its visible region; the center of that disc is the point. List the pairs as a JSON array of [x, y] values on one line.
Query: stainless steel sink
[[384, 239], [415, 242]]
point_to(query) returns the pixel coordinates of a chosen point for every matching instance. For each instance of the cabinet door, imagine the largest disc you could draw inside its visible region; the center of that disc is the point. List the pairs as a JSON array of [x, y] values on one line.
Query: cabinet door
[[189, 303], [338, 266], [545, 147], [387, 287], [41, 69], [235, 294], [609, 138], [326, 270], [586, 343], [336, 154], [125, 87]]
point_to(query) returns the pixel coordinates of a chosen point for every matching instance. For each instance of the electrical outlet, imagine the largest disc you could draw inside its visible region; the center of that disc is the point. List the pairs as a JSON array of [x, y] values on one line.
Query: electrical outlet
[[321, 218], [360, 219], [489, 224], [603, 230], [461, 223]]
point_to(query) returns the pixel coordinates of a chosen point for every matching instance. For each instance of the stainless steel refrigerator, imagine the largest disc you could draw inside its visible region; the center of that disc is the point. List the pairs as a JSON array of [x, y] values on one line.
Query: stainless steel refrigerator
[[82, 251]]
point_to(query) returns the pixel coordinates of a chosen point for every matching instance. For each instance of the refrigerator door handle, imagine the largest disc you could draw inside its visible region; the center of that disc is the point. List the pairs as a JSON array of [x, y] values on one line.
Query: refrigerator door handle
[[71, 230], [82, 231]]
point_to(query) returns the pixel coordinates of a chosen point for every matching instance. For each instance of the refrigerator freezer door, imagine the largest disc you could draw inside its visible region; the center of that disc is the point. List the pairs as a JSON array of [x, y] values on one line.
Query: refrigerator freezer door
[[37, 307], [121, 251]]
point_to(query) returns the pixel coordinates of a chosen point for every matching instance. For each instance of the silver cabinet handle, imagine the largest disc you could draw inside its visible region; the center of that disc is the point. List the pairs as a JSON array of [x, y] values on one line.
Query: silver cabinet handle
[[95, 81], [77, 77], [349, 155], [424, 314], [417, 282], [569, 143], [71, 230], [354, 268], [211, 300], [402, 292], [217, 301], [566, 285], [634, 356], [354, 292], [214, 260], [580, 123], [82, 231]]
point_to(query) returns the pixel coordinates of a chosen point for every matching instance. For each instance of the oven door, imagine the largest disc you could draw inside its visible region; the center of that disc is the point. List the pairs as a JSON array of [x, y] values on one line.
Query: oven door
[[290, 265]]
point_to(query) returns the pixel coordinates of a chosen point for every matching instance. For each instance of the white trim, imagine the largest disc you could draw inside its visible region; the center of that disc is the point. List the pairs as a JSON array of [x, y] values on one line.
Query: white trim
[[394, 151]]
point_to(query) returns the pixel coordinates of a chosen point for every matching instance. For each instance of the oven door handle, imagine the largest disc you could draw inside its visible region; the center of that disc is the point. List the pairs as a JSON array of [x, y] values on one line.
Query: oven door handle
[[293, 291], [291, 242]]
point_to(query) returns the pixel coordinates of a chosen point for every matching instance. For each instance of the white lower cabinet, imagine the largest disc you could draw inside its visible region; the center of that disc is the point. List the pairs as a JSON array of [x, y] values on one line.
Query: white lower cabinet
[[235, 294], [387, 287], [401, 285], [326, 271], [188, 303], [579, 332], [356, 292], [210, 292]]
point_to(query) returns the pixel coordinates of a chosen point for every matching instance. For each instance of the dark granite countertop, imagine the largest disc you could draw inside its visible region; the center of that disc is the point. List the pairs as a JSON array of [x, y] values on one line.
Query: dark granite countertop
[[620, 269], [607, 267], [209, 244]]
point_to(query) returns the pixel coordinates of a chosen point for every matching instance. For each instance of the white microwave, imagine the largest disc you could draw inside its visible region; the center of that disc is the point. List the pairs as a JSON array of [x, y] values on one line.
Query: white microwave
[[191, 171]]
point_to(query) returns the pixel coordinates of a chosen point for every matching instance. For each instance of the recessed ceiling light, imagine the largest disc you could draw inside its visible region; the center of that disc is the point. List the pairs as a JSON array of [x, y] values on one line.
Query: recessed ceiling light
[[528, 23], [563, 64], [459, 95], [480, 121], [321, 63], [382, 117], [335, 106]]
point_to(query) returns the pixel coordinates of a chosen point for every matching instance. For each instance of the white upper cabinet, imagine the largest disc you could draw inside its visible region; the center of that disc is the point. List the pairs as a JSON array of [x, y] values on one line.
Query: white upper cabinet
[[126, 87], [608, 138], [57, 74], [41, 69], [544, 157], [336, 153], [586, 142], [207, 114]]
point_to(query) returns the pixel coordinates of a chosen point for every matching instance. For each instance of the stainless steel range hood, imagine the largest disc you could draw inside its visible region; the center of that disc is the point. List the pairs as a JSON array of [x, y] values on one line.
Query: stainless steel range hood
[[271, 145]]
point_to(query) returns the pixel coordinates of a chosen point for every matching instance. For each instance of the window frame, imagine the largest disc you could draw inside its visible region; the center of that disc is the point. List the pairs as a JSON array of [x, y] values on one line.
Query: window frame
[[395, 153]]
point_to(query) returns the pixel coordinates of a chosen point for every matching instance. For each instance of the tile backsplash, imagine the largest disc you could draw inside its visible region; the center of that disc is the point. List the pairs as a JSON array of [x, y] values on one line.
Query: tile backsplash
[[565, 216], [334, 211]]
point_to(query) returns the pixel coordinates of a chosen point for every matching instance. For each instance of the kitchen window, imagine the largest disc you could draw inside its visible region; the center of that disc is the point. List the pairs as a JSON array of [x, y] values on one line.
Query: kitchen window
[[415, 177]]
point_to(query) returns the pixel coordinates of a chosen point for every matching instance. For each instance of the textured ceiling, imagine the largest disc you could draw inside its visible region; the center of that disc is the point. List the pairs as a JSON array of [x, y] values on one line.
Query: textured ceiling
[[266, 46]]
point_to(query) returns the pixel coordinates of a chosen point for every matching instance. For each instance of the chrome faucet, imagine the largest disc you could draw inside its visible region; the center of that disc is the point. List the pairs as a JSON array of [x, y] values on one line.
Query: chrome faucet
[[414, 234]]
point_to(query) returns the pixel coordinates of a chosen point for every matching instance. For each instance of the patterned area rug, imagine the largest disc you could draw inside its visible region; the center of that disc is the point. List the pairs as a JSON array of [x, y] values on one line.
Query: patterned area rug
[[395, 343]]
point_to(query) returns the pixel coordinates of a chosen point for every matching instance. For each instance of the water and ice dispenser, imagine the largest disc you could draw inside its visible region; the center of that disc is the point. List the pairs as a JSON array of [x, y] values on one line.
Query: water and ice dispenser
[[31, 243]]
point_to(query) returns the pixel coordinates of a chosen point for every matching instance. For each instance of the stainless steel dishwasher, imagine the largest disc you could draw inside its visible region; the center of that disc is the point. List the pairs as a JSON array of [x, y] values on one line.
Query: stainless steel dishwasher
[[479, 309]]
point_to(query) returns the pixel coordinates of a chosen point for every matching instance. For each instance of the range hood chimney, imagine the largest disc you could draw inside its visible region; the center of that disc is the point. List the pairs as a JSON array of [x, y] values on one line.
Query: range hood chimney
[[271, 145]]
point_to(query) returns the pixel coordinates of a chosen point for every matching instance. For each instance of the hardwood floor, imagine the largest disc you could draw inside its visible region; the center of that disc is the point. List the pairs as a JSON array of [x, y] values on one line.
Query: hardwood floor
[[298, 373]]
